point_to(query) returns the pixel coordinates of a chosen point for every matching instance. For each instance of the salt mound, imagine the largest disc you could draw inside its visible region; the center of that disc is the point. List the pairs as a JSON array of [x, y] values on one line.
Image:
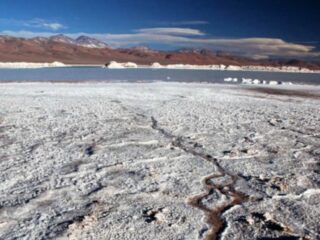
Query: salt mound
[[178, 66], [228, 79], [222, 67], [274, 83], [57, 64], [129, 65], [156, 65], [256, 81], [264, 82], [116, 65], [246, 80], [231, 79], [233, 68]]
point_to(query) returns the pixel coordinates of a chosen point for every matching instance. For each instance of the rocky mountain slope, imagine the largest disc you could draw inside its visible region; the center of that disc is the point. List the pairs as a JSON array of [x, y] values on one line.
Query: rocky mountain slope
[[86, 50]]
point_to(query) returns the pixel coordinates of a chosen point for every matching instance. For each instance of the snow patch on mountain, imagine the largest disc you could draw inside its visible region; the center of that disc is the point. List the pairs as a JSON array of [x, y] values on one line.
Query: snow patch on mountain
[[83, 41], [89, 42], [62, 38]]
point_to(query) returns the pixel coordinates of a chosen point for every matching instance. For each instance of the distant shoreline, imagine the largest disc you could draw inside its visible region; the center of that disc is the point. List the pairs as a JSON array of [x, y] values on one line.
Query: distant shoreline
[[130, 65]]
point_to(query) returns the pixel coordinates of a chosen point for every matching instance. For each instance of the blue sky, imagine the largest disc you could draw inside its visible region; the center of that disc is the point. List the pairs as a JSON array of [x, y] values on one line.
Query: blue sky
[[261, 28]]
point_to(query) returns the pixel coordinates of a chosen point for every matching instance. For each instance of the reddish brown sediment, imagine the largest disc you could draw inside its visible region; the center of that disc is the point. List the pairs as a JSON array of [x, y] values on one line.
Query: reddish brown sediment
[[213, 215]]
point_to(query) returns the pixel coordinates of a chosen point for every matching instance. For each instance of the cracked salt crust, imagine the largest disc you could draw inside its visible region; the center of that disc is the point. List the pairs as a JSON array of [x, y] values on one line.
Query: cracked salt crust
[[122, 161]]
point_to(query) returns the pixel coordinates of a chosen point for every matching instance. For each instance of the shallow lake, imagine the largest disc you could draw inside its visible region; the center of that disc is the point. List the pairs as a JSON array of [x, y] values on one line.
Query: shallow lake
[[103, 74]]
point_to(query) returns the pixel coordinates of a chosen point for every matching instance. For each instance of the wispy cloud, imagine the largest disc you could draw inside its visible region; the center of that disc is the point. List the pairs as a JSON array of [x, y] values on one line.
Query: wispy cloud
[[33, 23], [183, 23], [44, 24], [188, 37], [171, 31]]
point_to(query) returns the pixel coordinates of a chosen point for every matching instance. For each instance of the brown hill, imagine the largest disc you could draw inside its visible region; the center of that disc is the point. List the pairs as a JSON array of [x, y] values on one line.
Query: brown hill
[[86, 50]]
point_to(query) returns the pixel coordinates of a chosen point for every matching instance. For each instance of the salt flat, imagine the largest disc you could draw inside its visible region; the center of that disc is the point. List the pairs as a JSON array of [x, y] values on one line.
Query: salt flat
[[158, 161]]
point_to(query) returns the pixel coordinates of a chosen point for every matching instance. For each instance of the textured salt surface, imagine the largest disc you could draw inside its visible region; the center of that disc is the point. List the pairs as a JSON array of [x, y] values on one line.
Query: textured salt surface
[[158, 161]]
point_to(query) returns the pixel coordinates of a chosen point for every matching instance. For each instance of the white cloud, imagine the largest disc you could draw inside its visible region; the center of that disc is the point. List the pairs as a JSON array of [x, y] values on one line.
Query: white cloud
[[171, 31], [187, 37], [33, 23], [44, 24], [184, 23], [54, 26]]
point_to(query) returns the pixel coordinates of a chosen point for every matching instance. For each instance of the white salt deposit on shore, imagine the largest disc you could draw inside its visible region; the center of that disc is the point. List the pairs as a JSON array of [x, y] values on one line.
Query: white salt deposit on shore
[[273, 83], [156, 65], [30, 65], [116, 65], [232, 68], [231, 80], [130, 65], [250, 81], [158, 161]]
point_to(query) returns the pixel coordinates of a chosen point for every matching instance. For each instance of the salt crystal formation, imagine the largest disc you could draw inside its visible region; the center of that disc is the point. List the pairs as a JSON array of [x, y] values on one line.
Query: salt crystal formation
[[158, 161]]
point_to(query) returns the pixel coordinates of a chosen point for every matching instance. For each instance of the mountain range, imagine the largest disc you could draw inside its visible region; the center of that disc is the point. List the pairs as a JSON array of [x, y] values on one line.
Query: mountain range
[[87, 50]]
